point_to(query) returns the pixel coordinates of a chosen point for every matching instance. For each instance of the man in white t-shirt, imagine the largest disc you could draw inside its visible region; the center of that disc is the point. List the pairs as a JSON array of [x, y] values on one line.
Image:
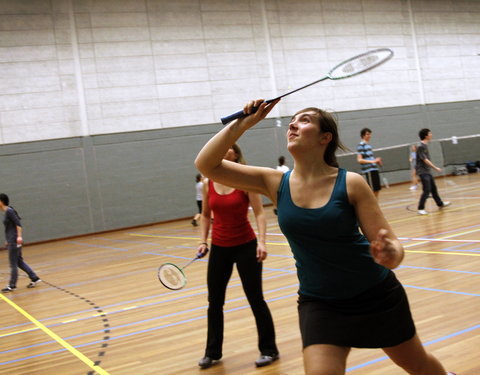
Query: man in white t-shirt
[[281, 165], [282, 168]]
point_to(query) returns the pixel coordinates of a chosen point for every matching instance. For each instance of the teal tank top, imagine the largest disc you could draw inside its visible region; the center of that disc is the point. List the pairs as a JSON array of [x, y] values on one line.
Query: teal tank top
[[331, 255]]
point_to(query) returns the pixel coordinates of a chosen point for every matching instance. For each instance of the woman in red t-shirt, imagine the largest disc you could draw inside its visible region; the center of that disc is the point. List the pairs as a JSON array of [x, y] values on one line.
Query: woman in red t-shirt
[[234, 241]]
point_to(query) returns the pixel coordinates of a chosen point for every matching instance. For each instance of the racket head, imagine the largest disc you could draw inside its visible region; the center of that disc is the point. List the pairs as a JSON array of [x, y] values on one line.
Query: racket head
[[171, 276], [360, 63]]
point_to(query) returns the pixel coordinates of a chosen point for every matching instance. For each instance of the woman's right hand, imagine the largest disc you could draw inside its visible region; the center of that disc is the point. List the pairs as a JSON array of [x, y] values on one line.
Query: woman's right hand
[[385, 251], [263, 110], [202, 250]]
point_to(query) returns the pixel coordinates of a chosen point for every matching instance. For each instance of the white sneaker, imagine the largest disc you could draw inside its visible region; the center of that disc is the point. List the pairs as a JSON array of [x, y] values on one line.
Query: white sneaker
[[33, 284], [445, 204], [413, 187], [422, 212]]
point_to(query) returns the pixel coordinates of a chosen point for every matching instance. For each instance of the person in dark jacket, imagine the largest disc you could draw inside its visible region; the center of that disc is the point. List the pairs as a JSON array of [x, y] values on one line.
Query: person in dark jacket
[[14, 241], [423, 167]]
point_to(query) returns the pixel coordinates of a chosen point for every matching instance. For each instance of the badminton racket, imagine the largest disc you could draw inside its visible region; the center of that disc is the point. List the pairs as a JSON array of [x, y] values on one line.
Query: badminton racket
[[346, 69], [172, 276]]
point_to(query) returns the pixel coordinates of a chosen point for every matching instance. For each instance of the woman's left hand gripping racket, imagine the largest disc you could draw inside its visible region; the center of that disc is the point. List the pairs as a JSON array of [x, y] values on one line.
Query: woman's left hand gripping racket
[[172, 276]]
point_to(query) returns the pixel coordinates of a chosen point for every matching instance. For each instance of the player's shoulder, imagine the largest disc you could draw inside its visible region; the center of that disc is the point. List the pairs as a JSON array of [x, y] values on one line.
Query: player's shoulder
[[355, 180], [354, 176], [357, 187], [363, 146]]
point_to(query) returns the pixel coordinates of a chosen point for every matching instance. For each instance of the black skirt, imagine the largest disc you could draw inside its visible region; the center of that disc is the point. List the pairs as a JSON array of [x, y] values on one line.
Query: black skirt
[[377, 318]]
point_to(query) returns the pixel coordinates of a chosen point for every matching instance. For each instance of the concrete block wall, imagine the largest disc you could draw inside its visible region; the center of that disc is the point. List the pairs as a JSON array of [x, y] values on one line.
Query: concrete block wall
[[79, 185], [104, 104], [82, 67]]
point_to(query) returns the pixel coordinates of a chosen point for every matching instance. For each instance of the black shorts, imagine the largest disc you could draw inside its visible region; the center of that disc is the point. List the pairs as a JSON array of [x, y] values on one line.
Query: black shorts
[[199, 205], [373, 179], [377, 318]]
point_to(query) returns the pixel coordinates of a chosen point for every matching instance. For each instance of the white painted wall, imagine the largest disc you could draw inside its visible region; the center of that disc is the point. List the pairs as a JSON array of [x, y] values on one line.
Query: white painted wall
[[79, 67]]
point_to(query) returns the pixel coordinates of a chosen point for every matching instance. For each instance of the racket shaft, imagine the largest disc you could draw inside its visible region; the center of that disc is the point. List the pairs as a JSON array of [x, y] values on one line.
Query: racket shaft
[[193, 260], [190, 262], [300, 88], [241, 114]]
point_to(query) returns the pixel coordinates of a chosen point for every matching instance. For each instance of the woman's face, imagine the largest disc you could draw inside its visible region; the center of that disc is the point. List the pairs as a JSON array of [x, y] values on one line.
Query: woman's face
[[304, 128], [230, 155]]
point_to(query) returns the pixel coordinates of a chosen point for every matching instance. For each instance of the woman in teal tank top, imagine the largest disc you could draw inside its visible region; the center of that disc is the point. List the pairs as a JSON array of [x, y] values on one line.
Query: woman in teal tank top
[[348, 295], [344, 267]]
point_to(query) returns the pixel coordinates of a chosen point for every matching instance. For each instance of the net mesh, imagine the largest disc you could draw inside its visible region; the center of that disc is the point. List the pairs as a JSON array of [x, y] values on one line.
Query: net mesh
[[171, 276]]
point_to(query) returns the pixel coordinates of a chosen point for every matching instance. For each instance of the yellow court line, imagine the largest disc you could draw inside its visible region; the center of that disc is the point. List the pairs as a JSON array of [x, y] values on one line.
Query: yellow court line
[[195, 238], [57, 338], [129, 308], [17, 332], [158, 236], [286, 243], [442, 252], [444, 237], [450, 209], [62, 322]]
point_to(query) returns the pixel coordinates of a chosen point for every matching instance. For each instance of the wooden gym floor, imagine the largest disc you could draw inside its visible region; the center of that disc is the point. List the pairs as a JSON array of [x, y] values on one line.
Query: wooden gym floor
[[102, 310]]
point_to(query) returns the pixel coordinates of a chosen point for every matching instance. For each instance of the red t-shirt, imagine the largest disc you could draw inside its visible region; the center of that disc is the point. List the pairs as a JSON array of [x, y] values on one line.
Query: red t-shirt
[[230, 224]]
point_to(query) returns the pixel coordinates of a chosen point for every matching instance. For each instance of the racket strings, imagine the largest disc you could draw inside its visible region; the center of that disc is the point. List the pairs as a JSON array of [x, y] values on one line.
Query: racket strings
[[360, 63], [171, 276]]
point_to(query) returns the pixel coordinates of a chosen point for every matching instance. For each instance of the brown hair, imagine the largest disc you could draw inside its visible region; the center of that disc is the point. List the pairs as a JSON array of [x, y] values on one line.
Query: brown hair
[[364, 131], [6, 201], [240, 159], [328, 124], [423, 133]]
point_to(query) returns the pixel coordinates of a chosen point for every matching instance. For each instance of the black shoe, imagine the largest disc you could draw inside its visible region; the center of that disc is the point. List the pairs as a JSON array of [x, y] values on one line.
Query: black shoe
[[265, 360], [8, 289], [194, 223], [207, 362]]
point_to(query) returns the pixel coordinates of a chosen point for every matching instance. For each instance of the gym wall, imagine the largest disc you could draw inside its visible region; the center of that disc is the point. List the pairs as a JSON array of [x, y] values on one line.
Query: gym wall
[[104, 104]]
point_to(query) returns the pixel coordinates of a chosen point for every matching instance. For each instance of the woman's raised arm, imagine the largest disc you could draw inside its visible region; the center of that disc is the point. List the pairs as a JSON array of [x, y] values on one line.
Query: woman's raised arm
[[210, 161]]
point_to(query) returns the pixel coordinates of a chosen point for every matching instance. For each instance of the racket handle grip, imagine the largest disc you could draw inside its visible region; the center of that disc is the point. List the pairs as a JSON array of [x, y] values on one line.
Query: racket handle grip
[[236, 115]]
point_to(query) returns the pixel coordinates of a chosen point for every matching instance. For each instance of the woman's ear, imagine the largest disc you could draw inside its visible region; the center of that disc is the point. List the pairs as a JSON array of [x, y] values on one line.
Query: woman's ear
[[326, 138]]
